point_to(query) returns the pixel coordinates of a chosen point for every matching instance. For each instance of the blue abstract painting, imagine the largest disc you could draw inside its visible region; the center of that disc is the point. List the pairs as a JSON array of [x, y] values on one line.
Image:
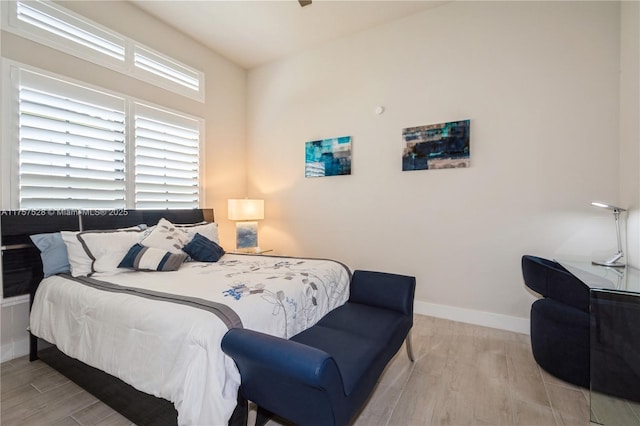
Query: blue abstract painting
[[436, 146], [328, 157]]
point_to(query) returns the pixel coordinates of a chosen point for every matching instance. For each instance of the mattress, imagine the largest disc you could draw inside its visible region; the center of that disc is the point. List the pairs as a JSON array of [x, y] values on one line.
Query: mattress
[[161, 331]]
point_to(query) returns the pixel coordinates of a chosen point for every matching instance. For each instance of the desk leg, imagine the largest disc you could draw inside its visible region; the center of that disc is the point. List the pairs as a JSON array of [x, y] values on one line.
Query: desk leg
[[615, 357]]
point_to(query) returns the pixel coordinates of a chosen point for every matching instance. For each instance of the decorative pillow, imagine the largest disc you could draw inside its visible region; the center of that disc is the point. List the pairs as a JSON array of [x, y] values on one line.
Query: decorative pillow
[[208, 230], [170, 237], [144, 258], [53, 253], [79, 262], [203, 249], [166, 236], [106, 248]]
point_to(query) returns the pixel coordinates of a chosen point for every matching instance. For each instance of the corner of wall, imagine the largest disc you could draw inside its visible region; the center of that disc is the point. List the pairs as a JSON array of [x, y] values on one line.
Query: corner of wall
[[630, 126]]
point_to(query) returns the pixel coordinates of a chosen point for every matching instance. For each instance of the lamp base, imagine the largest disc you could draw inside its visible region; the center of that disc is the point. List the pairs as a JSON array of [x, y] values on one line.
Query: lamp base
[[611, 264], [246, 235], [612, 261]]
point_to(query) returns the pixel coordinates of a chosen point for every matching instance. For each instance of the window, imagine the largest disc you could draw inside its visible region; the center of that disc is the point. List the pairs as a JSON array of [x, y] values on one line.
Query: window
[[52, 25], [166, 159], [161, 67], [75, 149], [44, 19], [71, 145]]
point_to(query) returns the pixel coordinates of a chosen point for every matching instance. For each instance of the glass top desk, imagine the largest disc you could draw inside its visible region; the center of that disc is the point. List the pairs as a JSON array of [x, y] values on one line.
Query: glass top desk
[[614, 342], [604, 277]]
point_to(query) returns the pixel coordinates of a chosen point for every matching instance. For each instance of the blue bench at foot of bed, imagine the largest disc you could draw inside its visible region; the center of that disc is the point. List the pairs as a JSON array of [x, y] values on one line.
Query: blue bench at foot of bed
[[323, 375]]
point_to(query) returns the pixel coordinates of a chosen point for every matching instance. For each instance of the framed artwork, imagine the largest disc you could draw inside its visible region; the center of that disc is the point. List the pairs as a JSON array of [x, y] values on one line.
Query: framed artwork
[[436, 146], [328, 157]]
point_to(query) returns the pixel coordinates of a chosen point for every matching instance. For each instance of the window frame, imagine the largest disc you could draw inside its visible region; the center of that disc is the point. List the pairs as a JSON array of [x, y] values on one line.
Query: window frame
[[10, 111], [127, 65]]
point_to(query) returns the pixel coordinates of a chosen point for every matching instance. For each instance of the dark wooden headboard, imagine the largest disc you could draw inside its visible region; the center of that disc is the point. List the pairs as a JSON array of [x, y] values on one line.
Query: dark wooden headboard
[[21, 263]]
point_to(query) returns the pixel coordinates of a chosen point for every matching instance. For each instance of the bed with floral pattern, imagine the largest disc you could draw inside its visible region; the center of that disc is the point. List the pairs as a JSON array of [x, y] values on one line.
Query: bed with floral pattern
[[158, 327]]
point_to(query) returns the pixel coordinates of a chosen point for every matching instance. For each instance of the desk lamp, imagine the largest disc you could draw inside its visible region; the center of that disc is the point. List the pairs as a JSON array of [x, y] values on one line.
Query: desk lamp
[[246, 213], [613, 260]]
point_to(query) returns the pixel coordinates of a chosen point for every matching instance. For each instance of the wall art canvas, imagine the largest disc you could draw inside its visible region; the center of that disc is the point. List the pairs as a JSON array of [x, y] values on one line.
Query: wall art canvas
[[328, 157], [436, 146]]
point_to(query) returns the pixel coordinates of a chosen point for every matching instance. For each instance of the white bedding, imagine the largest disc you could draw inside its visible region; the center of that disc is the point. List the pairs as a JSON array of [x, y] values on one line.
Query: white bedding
[[171, 350]]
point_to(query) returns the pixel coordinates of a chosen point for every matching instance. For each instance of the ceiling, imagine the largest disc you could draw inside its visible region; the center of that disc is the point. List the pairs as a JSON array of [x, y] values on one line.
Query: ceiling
[[254, 32]]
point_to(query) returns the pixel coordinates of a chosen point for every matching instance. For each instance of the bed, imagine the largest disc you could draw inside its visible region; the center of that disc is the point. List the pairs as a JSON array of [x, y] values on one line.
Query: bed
[[160, 332]]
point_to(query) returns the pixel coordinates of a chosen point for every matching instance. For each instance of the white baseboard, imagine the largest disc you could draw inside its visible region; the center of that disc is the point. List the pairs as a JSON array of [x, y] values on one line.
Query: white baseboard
[[470, 316], [14, 350], [16, 300]]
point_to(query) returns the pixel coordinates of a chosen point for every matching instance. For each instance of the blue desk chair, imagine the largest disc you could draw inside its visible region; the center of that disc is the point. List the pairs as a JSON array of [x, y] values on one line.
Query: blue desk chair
[[559, 321]]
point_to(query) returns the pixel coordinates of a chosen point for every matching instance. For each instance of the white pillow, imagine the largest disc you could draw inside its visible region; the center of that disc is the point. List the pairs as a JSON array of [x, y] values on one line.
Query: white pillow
[[79, 261], [209, 230], [173, 238], [107, 248]]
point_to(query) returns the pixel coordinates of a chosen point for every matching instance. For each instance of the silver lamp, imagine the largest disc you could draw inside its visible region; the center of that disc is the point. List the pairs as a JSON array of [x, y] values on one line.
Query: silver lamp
[[613, 260]]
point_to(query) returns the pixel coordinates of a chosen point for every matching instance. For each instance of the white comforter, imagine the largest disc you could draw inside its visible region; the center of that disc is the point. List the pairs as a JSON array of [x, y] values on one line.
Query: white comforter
[[171, 350]]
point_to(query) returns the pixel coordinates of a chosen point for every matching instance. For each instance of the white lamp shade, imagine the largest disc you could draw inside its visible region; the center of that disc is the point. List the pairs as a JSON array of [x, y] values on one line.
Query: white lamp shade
[[246, 209]]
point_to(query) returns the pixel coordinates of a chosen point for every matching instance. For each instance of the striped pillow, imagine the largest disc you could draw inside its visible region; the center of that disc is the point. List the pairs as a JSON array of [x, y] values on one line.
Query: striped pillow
[[143, 258]]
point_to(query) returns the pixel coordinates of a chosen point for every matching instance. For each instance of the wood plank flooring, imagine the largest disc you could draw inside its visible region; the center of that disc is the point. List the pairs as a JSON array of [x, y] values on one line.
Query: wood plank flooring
[[471, 375], [463, 375]]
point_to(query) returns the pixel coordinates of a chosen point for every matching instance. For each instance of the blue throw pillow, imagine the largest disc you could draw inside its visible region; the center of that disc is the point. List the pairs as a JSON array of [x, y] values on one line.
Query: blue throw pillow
[[53, 253], [144, 258], [203, 249]]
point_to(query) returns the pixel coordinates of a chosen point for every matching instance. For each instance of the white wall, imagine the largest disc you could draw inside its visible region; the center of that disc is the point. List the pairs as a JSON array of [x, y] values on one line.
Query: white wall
[[630, 125], [539, 81], [223, 110]]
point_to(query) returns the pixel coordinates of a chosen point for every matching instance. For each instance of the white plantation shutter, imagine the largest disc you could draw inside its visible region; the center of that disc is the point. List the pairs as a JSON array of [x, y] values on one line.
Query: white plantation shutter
[[71, 145], [166, 68], [49, 20], [167, 148], [48, 23]]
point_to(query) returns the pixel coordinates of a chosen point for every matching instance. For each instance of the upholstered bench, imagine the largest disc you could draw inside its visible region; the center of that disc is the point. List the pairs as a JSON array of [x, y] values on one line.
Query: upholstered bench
[[323, 375]]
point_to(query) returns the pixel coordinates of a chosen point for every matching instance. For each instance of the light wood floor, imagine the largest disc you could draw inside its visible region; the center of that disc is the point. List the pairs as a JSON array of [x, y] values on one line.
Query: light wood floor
[[463, 375]]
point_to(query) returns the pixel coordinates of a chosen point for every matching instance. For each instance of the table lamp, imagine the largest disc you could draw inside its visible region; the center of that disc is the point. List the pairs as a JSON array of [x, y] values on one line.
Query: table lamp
[[246, 213], [613, 260]]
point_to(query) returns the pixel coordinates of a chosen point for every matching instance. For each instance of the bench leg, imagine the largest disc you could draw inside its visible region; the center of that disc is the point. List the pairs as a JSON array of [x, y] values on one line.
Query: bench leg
[[263, 416], [240, 415], [407, 342]]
